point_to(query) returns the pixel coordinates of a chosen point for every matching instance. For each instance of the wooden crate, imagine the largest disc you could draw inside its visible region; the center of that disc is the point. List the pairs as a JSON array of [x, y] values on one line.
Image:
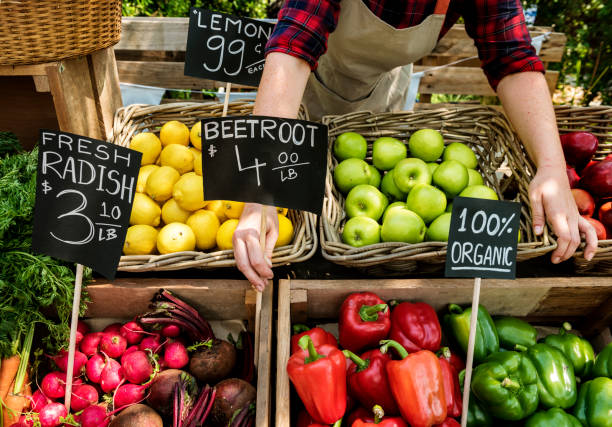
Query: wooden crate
[[214, 299], [585, 301]]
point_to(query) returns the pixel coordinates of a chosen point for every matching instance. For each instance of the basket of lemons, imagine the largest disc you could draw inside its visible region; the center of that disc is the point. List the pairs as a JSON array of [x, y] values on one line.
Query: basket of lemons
[[172, 227]]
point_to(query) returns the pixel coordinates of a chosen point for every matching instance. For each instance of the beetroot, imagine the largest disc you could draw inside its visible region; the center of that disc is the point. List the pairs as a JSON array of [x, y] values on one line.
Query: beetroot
[[94, 367], [112, 345], [94, 416], [162, 390], [175, 355], [171, 331], [54, 385], [132, 332], [38, 400], [82, 329], [151, 342], [89, 345], [232, 395], [129, 394], [50, 414], [78, 367], [112, 375], [136, 367], [211, 364], [83, 396], [113, 328], [137, 416]]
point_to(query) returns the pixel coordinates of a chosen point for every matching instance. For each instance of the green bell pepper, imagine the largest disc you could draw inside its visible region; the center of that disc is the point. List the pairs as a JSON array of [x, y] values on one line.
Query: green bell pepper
[[603, 363], [457, 323], [578, 350], [554, 417], [513, 332], [506, 384], [477, 414], [556, 380], [594, 405]]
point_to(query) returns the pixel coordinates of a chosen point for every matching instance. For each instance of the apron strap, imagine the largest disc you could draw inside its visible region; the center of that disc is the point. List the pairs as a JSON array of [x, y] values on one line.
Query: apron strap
[[441, 7]]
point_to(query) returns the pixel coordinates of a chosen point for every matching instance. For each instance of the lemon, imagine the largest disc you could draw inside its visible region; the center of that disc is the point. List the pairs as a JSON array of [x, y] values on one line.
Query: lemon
[[282, 211], [189, 192], [205, 225], [175, 237], [285, 231], [196, 135], [174, 132], [197, 162], [160, 183], [143, 175], [177, 156], [194, 151], [216, 206], [232, 209], [144, 211], [140, 240], [158, 161], [149, 145], [225, 234], [172, 212]]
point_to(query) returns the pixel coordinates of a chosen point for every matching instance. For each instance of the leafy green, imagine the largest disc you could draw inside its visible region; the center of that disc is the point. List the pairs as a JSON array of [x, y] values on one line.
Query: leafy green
[[9, 143], [245, 8]]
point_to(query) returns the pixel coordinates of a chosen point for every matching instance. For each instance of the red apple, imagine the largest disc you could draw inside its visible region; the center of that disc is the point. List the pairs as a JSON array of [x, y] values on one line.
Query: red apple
[[608, 157], [584, 202], [605, 214], [591, 163], [597, 179], [572, 176], [579, 148], [599, 228]]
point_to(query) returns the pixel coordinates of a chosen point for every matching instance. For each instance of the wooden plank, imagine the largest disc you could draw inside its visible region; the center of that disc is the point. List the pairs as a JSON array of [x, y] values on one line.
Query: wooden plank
[[264, 367], [599, 320], [106, 86], [41, 83], [283, 405], [25, 70]]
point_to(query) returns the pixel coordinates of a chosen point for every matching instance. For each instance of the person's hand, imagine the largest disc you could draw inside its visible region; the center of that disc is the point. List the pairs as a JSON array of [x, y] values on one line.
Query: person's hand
[[253, 261], [551, 198]]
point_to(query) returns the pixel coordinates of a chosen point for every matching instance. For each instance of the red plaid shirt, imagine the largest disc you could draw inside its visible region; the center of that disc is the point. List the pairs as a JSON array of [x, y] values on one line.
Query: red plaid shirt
[[497, 27]]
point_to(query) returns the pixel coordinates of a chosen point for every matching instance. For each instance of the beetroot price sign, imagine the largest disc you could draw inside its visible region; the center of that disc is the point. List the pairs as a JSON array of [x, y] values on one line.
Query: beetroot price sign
[[84, 195], [268, 160]]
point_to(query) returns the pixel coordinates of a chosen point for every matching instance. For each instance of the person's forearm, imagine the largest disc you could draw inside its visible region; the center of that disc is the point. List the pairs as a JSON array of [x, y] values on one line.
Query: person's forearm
[[282, 86], [527, 103]]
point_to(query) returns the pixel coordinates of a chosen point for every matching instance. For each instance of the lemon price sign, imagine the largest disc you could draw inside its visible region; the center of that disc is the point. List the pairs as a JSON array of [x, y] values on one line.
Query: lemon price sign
[[84, 194]]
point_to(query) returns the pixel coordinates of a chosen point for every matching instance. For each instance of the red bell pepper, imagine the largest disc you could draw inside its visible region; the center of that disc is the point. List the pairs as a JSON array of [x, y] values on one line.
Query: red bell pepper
[[319, 336], [364, 321], [452, 389], [417, 385], [305, 420], [367, 380], [319, 377], [449, 422], [452, 358], [415, 326], [363, 418]]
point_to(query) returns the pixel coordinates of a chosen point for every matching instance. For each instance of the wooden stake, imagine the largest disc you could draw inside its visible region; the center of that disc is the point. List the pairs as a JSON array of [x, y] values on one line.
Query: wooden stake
[[76, 304], [470, 352], [228, 89], [262, 244]]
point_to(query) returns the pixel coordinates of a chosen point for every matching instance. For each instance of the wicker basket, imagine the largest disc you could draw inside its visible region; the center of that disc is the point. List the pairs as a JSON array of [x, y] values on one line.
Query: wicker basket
[[500, 155], [137, 118], [597, 120], [35, 31]]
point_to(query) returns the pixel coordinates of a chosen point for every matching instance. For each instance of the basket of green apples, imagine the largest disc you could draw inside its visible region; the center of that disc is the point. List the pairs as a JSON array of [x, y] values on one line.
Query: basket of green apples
[[393, 176]]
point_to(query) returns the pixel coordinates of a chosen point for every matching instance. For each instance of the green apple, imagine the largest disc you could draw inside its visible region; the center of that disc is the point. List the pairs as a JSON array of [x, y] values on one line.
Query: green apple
[[392, 206], [426, 144], [361, 231], [350, 145], [365, 200], [426, 201], [389, 189], [351, 172], [432, 167], [449, 207], [475, 178], [439, 229], [452, 177], [374, 177], [479, 192], [403, 225], [462, 153], [410, 172], [386, 152]]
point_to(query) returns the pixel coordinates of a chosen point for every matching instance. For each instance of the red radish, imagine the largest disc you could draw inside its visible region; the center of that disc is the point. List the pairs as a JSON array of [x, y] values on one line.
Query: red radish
[[50, 415], [136, 367], [94, 416], [61, 360], [112, 375], [90, 342], [572, 176], [599, 228], [175, 355], [94, 368], [584, 202], [38, 400], [24, 421], [171, 331], [54, 385], [112, 345], [113, 328], [82, 329], [83, 396], [130, 349], [129, 394], [151, 342], [132, 332]]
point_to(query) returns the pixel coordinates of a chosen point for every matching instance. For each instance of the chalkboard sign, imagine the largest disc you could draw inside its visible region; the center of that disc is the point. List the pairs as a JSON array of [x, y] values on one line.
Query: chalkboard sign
[[268, 160], [84, 194], [483, 238], [226, 48]]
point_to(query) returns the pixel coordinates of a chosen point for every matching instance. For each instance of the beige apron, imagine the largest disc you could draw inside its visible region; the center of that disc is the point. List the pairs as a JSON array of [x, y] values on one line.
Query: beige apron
[[368, 63]]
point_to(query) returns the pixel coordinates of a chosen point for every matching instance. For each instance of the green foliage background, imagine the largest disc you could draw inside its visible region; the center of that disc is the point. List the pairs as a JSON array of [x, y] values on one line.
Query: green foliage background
[[244, 8]]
